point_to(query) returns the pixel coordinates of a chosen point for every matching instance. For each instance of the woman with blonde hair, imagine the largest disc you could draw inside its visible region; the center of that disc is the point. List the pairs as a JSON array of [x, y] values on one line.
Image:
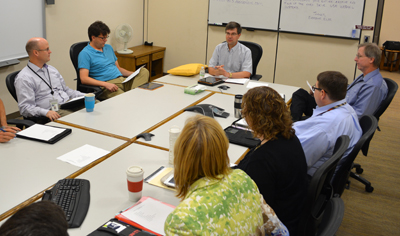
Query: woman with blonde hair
[[277, 164], [216, 200]]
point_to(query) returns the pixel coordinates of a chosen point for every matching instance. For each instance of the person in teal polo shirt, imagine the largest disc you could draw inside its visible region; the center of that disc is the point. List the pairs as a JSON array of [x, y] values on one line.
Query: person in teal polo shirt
[[98, 65]]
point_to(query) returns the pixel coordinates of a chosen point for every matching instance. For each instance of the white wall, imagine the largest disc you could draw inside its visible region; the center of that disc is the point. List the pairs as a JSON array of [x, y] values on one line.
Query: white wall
[[298, 58], [390, 22], [67, 22]]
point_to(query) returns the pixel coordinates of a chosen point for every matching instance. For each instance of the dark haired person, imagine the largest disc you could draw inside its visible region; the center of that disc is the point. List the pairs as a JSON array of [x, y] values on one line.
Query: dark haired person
[[231, 58], [42, 218], [365, 94], [277, 164], [332, 118], [98, 65]]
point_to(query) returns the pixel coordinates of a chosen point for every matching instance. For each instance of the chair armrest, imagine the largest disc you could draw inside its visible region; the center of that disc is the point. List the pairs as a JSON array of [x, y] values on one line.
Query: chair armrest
[[22, 123], [90, 89], [256, 77]]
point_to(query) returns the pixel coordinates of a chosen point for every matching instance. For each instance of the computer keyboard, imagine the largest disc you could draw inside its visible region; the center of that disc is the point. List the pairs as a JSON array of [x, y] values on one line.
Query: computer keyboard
[[73, 196]]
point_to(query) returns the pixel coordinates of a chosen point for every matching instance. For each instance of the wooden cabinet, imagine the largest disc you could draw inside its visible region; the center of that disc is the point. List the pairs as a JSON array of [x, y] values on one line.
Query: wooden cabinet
[[150, 56]]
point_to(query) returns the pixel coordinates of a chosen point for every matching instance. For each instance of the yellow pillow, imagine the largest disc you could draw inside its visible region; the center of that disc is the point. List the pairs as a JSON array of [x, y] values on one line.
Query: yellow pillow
[[187, 70]]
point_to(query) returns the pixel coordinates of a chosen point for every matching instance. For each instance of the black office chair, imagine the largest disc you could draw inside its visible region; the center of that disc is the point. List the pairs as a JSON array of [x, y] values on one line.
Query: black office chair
[[320, 190], [392, 89], [10, 79], [256, 54], [340, 180], [74, 53], [333, 217]]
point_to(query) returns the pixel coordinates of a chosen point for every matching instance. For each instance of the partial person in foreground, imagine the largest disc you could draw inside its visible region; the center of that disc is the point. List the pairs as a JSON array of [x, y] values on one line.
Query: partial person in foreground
[[6, 132], [231, 58], [98, 65], [42, 218], [331, 118], [365, 94], [277, 164], [216, 200], [41, 89]]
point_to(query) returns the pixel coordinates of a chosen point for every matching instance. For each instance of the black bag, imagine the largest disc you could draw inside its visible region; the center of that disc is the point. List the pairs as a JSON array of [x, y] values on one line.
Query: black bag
[[392, 45]]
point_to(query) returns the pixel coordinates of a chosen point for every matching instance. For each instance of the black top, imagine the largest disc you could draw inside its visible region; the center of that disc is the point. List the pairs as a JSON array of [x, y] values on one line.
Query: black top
[[280, 171]]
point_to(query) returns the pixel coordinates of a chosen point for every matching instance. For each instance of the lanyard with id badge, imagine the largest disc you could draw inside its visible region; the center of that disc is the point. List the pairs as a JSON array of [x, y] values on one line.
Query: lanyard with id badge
[[54, 106]]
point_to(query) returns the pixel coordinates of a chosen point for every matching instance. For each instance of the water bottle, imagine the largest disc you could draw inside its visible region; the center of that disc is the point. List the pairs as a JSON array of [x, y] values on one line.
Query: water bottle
[[202, 72]]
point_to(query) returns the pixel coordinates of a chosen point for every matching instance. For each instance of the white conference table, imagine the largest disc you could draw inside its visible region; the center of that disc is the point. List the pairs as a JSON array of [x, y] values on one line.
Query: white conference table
[[108, 186], [28, 167], [233, 88], [135, 111], [224, 101]]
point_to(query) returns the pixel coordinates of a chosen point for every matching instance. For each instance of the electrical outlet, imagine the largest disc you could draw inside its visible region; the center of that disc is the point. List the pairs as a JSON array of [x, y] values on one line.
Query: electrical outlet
[[366, 38]]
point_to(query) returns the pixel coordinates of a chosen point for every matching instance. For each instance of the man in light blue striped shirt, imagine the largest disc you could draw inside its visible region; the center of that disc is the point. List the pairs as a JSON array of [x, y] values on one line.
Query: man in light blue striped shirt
[[331, 118], [231, 58]]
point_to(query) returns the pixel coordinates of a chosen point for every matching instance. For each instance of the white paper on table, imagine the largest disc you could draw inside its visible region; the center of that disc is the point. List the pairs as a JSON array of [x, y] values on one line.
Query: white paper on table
[[83, 155], [252, 84], [42, 132], [237, 81], [150, 214], [133, 74]]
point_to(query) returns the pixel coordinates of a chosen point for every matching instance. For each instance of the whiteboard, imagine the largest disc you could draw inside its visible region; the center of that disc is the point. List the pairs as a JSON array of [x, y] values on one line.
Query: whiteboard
[[326, 17], [258, 14], [20, 20]]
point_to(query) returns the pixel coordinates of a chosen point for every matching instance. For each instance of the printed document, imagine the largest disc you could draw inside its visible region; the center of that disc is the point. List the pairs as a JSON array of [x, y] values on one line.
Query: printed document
[[150, 214], [41, 132], [83, 156], [133, 75]]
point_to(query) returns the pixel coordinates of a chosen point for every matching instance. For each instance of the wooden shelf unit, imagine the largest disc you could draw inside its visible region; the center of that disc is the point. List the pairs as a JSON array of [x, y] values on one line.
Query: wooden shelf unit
[[151, 56]]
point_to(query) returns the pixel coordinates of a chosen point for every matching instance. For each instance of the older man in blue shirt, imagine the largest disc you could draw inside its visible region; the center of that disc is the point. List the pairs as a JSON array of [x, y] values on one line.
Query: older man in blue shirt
[[231, 58], [332, 118], [365, 94]]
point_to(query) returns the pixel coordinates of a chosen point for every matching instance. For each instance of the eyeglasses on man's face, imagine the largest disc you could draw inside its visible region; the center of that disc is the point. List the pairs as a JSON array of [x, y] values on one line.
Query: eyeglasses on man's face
[[104, 38], [359, 55], [46, 49], [231, 34], [315, 88]]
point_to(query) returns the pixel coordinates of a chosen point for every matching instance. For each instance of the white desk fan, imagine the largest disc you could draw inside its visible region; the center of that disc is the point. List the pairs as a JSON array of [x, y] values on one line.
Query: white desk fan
[[123, 33]]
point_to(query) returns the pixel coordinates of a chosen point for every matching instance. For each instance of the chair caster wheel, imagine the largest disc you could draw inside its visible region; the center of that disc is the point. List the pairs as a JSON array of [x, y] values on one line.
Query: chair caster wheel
[[359, 170], [369, 188]]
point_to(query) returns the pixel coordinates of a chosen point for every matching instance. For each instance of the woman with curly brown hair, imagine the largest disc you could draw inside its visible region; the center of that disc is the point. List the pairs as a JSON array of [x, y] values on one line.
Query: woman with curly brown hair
[[277, 164]]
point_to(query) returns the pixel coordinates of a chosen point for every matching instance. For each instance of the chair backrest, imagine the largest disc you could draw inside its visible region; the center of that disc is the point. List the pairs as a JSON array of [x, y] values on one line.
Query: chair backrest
[[73, 54], [320, 190], [392, 89], [333, 217], [10, 84], [256, 53], [368, 125]]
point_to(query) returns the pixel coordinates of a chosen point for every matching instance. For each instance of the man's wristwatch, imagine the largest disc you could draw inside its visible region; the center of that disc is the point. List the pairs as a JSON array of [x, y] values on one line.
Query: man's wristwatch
[[230, 75]]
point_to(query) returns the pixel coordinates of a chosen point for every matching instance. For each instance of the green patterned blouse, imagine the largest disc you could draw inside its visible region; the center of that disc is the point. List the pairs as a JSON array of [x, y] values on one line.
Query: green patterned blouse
[[230, 206]]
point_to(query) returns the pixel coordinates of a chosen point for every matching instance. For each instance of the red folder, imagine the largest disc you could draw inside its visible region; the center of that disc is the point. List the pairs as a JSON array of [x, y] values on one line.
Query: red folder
[[128, 221]]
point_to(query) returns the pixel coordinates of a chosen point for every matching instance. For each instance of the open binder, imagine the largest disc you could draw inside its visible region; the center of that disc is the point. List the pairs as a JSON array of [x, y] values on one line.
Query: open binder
[[44, 133]]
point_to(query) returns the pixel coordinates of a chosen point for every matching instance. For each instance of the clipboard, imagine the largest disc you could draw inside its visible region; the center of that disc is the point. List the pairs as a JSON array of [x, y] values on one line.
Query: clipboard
[[32, 133], [150, 86]]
